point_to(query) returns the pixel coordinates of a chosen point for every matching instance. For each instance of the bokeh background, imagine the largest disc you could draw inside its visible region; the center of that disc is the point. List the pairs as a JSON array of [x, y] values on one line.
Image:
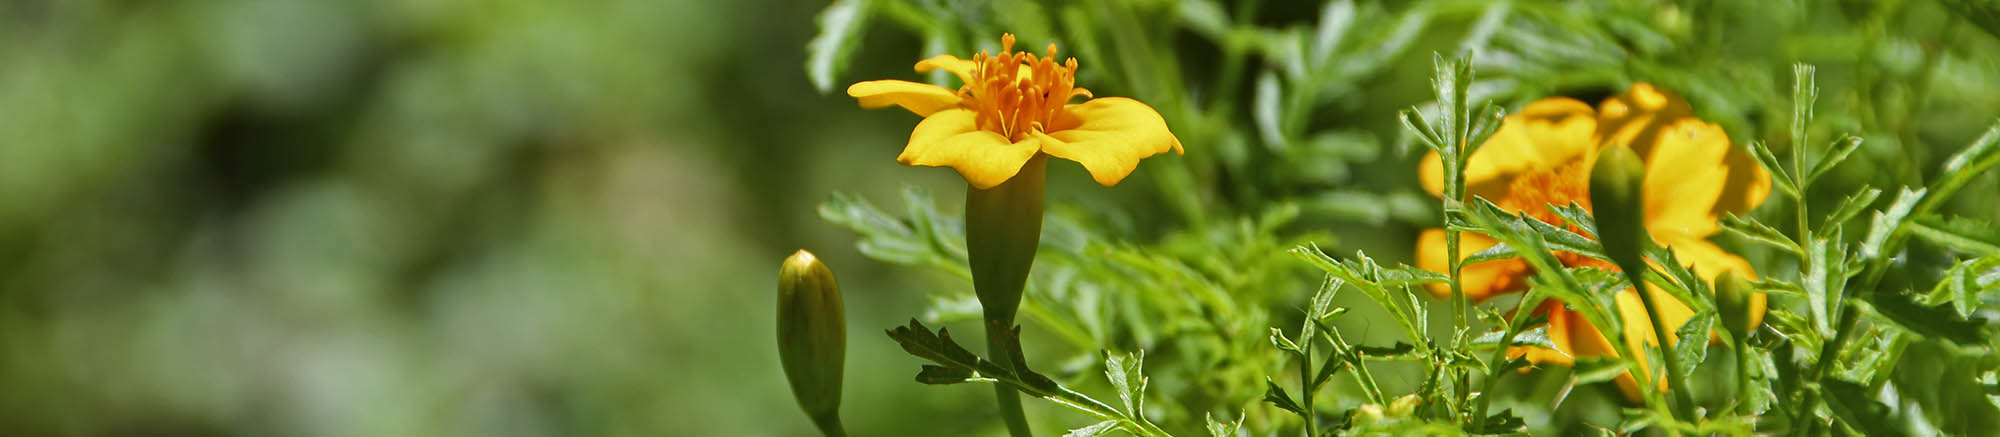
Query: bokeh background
[[526, 217]]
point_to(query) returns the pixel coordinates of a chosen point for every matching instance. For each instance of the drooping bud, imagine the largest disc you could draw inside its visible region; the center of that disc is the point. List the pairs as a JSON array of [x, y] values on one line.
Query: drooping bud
[[1618, 202], [812, 337], [1733, 297]]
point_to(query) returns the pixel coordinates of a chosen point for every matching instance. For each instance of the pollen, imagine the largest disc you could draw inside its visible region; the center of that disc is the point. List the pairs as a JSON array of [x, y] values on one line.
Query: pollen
[[1016, 94]]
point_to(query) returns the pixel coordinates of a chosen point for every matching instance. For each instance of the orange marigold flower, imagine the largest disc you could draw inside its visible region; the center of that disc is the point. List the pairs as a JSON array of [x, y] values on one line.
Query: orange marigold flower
[[1013, 106], [1542, 156]]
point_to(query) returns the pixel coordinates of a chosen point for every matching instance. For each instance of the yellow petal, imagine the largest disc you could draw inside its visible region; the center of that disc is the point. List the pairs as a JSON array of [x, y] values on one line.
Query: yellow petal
[[952, 138], [923, 99], [1709, 261], [958, 67], [1544, 135], [1693, 176], [1635, 117], [1108, 136], [1479, 280]]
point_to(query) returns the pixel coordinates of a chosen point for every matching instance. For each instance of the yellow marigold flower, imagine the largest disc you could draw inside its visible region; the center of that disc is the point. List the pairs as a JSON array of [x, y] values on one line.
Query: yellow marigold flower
[[1012, 107], [1542, 156]]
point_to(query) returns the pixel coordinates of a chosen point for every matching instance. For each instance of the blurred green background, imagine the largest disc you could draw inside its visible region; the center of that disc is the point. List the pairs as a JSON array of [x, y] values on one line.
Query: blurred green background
[[524, 217]]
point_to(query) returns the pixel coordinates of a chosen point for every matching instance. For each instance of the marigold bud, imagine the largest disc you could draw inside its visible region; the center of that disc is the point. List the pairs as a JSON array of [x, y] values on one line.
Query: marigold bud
[[1618, 201], [812, 337], [1732, 304]]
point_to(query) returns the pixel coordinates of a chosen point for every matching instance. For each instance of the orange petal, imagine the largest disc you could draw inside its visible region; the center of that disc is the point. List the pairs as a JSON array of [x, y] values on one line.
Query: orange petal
[[1544, 135], [1108, 136], [952, 138], [1479, 280], [923, 99], [1560, 323]]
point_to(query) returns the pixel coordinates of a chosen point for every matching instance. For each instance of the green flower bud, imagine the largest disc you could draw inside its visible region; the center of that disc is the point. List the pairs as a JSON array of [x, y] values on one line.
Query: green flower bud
[[812, 337], [1003, 226], [1732, 303], [1618, 200]]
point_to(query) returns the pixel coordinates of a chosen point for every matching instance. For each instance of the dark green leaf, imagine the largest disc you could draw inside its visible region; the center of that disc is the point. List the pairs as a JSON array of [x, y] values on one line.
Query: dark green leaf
[[1944, 381], [1972, 237], [1855, 405], [945, 375], [1934, 321], [1503, 422], [1276, 396]]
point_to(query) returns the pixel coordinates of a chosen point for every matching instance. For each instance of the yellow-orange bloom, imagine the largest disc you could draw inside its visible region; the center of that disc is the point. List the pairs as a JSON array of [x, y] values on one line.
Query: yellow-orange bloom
[[1012, 107], [1542, 156]]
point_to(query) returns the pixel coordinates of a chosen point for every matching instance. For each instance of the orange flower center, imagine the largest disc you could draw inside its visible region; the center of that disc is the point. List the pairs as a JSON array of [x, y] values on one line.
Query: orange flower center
[[1533, 192], [1017, 93]]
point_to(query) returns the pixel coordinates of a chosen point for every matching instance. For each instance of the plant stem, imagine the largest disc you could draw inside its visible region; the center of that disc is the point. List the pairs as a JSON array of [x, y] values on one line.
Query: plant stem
[[829, 424], [1003, 227], [1743, 393], [1679, 399], [1306, 386], [1010, 402]]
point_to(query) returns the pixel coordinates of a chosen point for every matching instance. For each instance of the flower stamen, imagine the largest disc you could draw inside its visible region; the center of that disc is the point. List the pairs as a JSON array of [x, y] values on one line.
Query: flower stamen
[[1016, 94]]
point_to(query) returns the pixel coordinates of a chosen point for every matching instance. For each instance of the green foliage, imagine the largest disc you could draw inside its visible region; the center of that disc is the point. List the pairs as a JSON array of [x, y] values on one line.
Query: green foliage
[[1284, 127]]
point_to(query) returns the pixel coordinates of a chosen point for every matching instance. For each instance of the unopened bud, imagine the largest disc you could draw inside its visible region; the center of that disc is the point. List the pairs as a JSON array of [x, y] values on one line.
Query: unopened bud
[[1617, 199], [1733, 297], [812, 337]]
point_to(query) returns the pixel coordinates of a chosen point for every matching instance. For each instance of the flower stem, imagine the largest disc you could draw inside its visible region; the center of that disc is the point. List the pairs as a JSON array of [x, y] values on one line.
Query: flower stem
[[1677, 388], [1003, 226], [1743, 393]]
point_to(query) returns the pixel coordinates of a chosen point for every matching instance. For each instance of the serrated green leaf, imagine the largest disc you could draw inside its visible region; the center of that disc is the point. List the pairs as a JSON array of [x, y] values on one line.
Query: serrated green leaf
[[1933, 321], [1838, 151], [1888, 222], [1805, 92], [1576, 217], [1943, 381], [1982, 155], [1537, 337], [1095, 429], [1759, 232], [1691, 344], [1852, 206], [1220, 429], [1127, 375], [1591, 370], [1278, 339], [1503, 422], [840, 28], [1824, 286], [1853, 404], [1972, 237], [1963, 283], [940, 375], [1277, 397], [1779, 177]]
